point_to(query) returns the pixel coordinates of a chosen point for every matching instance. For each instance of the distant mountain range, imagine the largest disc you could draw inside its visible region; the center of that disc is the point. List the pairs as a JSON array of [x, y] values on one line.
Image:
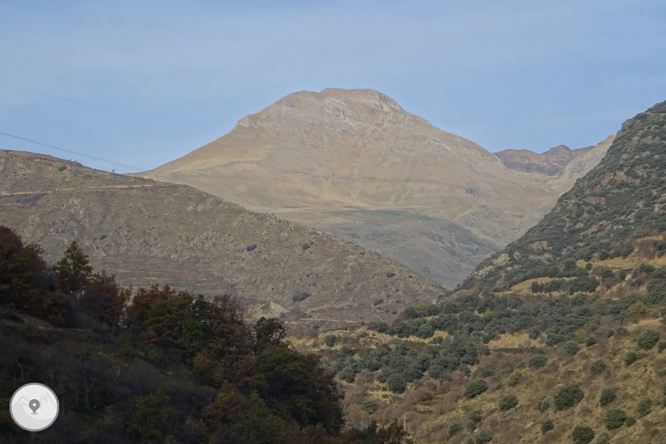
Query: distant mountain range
[[356, 164]]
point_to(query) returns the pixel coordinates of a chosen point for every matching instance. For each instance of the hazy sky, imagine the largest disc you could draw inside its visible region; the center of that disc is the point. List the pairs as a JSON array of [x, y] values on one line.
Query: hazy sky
[[505, 74]]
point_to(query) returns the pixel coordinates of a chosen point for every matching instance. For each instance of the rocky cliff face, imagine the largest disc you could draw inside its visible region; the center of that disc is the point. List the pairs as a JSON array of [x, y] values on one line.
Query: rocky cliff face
[[355, 163], [147, 232]]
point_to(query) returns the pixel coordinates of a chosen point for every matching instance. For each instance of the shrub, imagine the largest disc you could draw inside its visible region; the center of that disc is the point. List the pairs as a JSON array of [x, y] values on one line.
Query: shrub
[[390, 274], [544, 404], [630, 421], [513, 379], [347, 374], [330, 340], [590, 341], [426, 331], [412, 373], [251, 247], [438, 372], [603, 438], [396, 383], [507, 402], [648, 339], [344, 353], [535, 287], [607, 396], [487, 371], [637, 310], [582, 434], [482, 436], [567, 397], [370, 405], [547, 425], [615, 418], [598, 367], [377, 302], [537, 361], [454, 428], [475, 417], [571, 348], [298, 297], [437, 340], [475, 388], [644, 407], [661, 346], [630, 358], [579, 299], [306, 246]]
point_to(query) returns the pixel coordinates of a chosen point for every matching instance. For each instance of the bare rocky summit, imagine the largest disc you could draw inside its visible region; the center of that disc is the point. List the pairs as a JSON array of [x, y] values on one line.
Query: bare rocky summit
[[356, 164], [147, 232], [550, 163]]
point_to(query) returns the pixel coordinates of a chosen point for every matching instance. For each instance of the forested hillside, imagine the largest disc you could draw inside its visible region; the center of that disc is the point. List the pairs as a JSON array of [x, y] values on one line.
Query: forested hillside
[[624, 196], [558, 338], [169, 367]]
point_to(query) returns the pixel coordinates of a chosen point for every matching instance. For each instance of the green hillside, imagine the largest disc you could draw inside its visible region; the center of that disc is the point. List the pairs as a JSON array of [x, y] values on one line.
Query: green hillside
[[623, 196], [559, 338], [167, 367]]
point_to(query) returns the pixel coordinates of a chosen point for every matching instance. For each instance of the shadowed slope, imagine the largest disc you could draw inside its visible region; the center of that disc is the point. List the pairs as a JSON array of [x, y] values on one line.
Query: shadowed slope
[[147, 232]]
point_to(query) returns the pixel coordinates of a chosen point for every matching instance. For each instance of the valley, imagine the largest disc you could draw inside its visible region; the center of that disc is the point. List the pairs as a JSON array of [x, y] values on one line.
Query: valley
[[356, 164], [558, 338]]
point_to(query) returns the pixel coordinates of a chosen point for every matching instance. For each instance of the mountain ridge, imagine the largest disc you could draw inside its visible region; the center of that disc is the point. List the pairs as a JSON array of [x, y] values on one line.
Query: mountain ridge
[[356, 164], [590, 217], [146, 233]]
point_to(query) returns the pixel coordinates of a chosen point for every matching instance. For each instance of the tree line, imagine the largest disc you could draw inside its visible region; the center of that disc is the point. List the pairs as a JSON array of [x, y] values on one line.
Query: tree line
[[155, 364]]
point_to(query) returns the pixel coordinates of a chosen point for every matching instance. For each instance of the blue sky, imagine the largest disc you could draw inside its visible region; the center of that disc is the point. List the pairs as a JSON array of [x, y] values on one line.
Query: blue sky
[[505, 74]]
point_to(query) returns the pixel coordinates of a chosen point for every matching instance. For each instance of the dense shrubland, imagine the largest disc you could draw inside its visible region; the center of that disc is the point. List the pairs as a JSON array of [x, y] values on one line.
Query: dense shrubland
[[434, 358], [169, 367], [557, 338], [616, 209]]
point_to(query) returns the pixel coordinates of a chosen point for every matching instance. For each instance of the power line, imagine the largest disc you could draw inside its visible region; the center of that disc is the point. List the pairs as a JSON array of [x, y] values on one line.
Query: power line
[[99, 159], [201, 186], [110, 107]]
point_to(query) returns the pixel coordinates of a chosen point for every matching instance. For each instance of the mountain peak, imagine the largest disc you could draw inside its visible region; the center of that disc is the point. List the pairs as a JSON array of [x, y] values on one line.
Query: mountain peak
[[554, 162], [559, 149], [355, 163], [336, 109]]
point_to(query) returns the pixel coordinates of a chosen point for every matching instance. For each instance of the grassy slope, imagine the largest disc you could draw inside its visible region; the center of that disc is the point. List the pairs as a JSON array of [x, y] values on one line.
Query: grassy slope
[[614, 219]]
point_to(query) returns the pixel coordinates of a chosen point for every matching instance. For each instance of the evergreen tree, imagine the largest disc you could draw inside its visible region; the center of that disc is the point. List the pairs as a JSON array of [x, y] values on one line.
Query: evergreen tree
[[74, 271]]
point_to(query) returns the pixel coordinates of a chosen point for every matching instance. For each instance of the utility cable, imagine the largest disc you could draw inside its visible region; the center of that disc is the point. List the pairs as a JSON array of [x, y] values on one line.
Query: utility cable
[[201, 186], [99, 159]]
